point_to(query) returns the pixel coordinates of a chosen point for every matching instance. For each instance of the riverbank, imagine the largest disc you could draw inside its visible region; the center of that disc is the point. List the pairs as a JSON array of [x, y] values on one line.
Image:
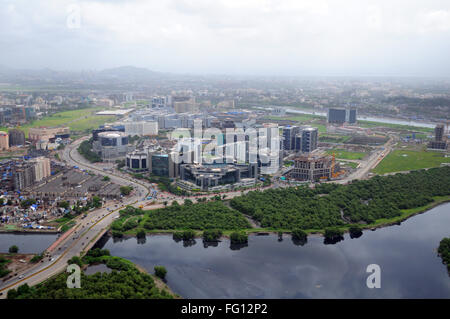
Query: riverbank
[[384, 222], [28, 231], [292, 269], [160, 284]]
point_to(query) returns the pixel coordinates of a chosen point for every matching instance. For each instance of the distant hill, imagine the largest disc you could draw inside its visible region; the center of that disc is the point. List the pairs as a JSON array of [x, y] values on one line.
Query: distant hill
[[129, 73]]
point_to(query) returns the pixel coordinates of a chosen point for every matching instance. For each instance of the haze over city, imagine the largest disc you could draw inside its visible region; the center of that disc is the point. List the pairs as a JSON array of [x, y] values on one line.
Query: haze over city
[[224, 153], [295, 38]]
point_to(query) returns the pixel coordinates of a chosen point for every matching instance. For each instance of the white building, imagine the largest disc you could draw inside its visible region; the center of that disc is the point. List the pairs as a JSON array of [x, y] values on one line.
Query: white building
[[41, 167], [141, 128]]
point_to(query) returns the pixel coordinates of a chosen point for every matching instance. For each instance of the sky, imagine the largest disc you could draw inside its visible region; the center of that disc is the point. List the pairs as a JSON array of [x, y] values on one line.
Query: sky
[[242, 37]]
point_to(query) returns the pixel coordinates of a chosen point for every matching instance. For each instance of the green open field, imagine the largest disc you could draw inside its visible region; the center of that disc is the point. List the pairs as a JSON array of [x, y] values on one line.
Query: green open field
[[333, 138], [76, 120], [400, 160], [370, 124], [343, 154]]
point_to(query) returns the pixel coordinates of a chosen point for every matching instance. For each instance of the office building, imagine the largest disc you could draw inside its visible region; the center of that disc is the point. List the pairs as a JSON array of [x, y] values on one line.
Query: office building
[[289, 133], [439, 142], [156, 162], [215, 176], [310, 137], [111, 145], [141, 128], [45, 133], [137, 160], [341, 116], [161, 101]]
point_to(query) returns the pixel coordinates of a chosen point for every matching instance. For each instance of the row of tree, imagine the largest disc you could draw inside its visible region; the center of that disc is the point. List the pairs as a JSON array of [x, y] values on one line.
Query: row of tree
[[327, 205]]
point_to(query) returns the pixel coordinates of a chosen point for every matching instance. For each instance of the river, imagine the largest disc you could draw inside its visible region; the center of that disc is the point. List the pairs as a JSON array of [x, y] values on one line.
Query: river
[[268, 268], [27, 243], [371, 119]]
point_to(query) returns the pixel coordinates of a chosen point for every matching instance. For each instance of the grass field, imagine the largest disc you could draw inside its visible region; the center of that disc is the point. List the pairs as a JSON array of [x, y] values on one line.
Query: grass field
[[400, 160], [369, 124], [333, 138], [91, 122], [343, 154], [76, 120]]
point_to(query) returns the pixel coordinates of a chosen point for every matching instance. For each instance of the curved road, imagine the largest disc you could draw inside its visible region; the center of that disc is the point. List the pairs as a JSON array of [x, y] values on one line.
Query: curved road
[[85, 231]]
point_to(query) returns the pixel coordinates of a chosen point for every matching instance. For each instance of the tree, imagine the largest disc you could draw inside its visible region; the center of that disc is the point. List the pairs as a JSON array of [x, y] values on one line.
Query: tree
[[140, 234], [210, 235], [355, 231], [63, 204], [238, 238], [160, 271], [75, 260], [106, 178], [125, 190], [96, 202], [13, 249], [299, 234]]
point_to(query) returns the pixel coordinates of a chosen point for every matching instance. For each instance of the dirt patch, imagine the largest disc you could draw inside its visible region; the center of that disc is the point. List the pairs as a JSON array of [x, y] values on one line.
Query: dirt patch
[[19, 262]]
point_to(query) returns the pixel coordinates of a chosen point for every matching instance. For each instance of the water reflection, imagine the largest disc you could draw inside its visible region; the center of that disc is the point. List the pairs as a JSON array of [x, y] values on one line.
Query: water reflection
[[410, 267], [27, 243]]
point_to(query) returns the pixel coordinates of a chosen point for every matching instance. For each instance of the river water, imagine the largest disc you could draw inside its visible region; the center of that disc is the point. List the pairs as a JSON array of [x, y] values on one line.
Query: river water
[[27, 243], [371, 119], [268, 268]]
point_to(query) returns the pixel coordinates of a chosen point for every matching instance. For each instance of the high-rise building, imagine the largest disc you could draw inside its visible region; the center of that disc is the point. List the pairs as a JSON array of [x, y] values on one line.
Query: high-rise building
[[439, 142], [289, 133], [161, 101], [16, 137], [341, 116], [439, 132], [4, 141], [298, 142], [351, 116], [41, 168], [310, 136], [24, 177]]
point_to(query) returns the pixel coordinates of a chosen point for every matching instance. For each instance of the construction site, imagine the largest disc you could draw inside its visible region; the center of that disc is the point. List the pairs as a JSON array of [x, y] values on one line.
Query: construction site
[[315, 166]]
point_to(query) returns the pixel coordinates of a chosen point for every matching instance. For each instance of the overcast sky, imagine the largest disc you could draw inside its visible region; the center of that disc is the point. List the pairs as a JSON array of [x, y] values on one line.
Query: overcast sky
[[261, 37]]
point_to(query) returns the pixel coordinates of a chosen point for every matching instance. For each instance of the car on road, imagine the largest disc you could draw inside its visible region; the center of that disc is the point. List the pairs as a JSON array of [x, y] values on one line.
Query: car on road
[[21, 276]]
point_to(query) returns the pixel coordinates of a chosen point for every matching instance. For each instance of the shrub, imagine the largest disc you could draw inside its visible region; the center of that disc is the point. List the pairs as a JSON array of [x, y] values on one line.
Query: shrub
[[13, 249], [238, 238], [212, 234], [299, 234], [160, 271]]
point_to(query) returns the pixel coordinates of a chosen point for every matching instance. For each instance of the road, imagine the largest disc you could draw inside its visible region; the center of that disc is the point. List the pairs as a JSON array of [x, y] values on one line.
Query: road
[[84, 233], [87, 230]]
